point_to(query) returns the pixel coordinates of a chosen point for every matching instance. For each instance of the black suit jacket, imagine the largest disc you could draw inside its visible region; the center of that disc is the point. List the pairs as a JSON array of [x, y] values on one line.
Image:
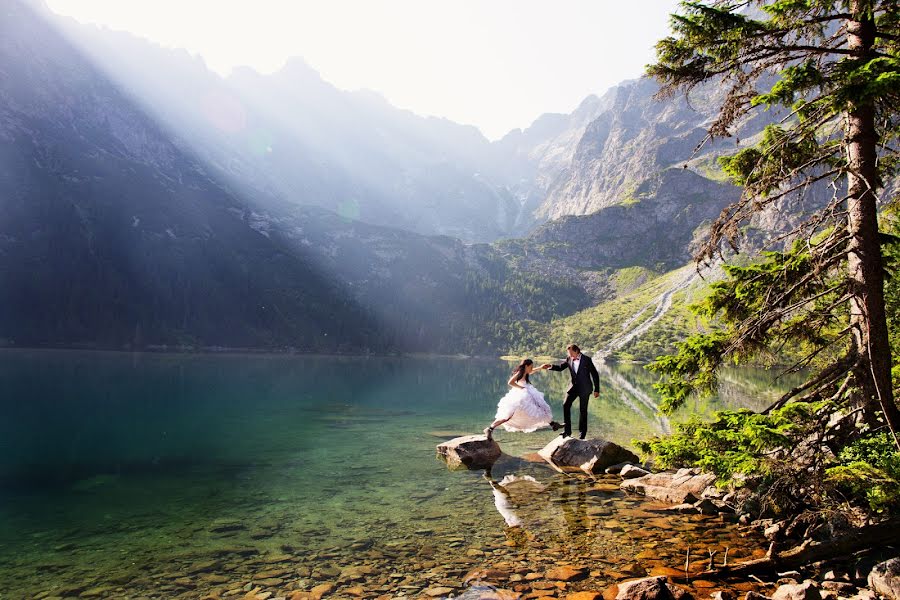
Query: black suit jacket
[[581, 381]]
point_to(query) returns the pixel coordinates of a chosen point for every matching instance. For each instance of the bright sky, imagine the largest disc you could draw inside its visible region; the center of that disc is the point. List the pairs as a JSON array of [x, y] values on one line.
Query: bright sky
[[496, 64]]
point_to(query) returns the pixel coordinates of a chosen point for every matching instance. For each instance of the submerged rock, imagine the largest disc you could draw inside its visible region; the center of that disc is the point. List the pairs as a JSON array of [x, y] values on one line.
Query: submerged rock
[[567, 573], [469, 451], [681, 487], [488, 593], [589, 456], [885, 578]]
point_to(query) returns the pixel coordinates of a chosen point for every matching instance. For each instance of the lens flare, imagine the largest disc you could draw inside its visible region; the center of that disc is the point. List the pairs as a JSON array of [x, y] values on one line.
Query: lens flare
[[349, 209], [225, 112], [260, 141]]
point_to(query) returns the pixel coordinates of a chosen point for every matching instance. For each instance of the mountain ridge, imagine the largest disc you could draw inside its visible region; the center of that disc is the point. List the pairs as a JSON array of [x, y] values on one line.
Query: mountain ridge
[[204, 202]]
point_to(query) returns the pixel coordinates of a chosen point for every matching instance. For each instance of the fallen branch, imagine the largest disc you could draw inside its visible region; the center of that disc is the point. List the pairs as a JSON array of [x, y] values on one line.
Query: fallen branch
[[808, 552]]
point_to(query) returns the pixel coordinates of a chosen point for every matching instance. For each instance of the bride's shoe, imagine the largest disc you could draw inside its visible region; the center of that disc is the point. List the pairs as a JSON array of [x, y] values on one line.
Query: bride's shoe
[[488, 432], [556, 426]]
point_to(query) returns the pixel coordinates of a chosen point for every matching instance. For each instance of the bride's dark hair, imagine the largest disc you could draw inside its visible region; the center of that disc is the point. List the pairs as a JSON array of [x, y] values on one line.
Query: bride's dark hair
[[520, 370]]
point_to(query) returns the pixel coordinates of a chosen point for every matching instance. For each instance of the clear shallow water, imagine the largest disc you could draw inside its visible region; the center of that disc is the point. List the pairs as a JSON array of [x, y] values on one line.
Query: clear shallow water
[[176, 475]]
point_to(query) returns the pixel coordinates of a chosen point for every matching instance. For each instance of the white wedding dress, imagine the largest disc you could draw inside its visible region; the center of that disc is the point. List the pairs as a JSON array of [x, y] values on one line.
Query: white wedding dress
[[525, 407]]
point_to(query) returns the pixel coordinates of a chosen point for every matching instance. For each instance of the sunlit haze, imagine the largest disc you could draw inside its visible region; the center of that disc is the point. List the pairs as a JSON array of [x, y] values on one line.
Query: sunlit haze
[[495, 64]]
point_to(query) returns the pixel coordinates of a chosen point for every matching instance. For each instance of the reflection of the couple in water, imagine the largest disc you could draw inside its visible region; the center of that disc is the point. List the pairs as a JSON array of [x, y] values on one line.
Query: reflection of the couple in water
[[530, 508]]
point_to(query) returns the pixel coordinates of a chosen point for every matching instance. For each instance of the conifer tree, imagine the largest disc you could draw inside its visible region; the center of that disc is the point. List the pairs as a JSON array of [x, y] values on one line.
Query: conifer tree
[[832, 67]]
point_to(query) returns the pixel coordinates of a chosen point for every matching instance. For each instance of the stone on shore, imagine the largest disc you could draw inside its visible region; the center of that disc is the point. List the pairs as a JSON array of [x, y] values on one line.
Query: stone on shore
[[797, 591], [632, 472], [469, 452], [651, 588], [681, 487], [885, 578], [589, 456]]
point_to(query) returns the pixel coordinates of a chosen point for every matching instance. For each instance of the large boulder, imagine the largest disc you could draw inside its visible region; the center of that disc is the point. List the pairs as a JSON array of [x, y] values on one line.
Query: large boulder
[[684, 486], [651, 588], [885, 578], [469, 452], [589, 456]]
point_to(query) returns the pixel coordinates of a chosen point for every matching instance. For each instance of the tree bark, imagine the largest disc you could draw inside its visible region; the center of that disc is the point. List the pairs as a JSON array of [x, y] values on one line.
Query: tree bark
[[866, 271]]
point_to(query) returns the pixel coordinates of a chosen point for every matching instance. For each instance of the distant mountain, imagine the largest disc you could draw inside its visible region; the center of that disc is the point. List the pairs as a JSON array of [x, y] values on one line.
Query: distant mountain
[[146, 201], [292, 137], [114, 235]]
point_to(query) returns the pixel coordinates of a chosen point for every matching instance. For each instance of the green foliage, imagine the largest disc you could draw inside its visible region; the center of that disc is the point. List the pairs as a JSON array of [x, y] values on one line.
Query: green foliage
[[793, 57], [628, 279], [761, 309], [762, 166], [891, 252], [869, 468], [793, 79], [738, 443], [595, 327], [690, 370]]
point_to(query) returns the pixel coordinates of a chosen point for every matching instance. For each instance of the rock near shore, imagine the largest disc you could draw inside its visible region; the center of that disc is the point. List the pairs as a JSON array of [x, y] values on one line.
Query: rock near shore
[[885, 578], [651, 588], [681, 487], [469, 452], [589, 456]]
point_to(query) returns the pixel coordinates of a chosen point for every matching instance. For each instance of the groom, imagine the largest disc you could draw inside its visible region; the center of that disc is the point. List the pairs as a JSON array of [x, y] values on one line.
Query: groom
[[583, 373]]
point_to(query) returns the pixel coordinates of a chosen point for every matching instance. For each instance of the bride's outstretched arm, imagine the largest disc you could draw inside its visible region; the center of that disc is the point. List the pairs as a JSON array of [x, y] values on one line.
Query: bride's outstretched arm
[[514, 382]]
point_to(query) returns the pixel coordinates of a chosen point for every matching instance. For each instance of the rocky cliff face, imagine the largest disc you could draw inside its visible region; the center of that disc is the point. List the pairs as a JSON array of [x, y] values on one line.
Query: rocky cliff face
[[530, 161], [633, 138], [657, 227]]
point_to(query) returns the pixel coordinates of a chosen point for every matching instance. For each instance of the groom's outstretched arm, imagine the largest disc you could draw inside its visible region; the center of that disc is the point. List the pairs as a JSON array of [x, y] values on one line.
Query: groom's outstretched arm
[[560, 367]]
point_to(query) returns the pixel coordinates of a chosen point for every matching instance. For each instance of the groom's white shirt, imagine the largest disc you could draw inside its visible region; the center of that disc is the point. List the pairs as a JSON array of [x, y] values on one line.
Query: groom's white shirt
[[576, 362]]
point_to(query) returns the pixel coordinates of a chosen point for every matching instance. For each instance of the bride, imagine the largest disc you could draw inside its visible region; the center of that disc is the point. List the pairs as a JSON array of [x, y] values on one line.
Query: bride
[[524, 407]]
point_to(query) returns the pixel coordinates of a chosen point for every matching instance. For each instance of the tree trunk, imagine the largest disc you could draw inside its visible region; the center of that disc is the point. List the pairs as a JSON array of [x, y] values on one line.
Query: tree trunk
[[867, 312]]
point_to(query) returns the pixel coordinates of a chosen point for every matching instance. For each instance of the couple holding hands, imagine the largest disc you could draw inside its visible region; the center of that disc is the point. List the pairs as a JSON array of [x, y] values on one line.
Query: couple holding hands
[[524, 407]]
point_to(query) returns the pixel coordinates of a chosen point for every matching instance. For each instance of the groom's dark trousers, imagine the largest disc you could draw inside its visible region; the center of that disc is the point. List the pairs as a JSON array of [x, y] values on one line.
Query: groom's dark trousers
[[586, 380]]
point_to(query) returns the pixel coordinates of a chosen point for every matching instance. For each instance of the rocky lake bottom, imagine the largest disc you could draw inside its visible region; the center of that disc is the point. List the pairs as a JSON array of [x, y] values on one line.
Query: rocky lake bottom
[[159, 476]]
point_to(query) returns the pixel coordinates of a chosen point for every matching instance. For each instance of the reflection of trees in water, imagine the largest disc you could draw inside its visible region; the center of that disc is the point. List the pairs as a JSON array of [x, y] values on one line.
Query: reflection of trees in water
[[753, 388], [629, 403], [635, 398]]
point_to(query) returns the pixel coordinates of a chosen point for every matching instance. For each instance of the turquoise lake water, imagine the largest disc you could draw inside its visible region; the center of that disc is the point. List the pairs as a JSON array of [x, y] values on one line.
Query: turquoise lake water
[[158, 476]]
